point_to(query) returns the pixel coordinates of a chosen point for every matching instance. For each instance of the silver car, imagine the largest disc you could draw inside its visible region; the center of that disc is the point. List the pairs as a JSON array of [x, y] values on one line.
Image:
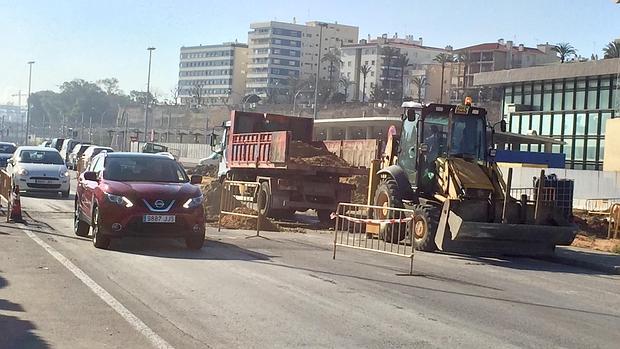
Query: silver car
[[39, 169]]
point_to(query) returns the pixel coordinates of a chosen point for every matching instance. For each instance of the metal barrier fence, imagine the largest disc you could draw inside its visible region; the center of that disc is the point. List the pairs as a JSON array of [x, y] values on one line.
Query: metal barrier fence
[[356, 228], [613, 229], [5, 185], [240, 199], [601, 206]]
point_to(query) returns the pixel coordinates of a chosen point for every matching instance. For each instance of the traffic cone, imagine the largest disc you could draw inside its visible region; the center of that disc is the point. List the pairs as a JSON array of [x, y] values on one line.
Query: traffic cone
[[16, 206]]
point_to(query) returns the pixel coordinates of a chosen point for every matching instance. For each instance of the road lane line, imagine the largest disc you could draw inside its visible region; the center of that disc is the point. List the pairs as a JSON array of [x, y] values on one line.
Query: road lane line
[[133, 320]]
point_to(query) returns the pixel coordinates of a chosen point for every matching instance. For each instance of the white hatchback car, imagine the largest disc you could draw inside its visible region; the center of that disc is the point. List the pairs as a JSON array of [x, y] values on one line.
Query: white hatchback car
[[39, 169]]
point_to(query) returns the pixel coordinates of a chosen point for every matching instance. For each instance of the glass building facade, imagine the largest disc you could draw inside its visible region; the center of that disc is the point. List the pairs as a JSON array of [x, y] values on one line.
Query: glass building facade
[[573, 110]]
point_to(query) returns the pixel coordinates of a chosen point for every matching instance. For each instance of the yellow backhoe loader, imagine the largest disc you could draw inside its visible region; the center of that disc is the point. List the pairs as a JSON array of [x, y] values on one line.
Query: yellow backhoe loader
[[441, 166]]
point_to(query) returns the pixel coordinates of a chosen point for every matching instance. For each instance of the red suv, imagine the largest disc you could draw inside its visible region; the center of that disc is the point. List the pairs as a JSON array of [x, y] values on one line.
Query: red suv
[[136, 194]]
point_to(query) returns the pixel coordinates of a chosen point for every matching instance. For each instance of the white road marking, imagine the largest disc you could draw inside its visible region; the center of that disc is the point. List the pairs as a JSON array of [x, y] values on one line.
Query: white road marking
[[133, 320]]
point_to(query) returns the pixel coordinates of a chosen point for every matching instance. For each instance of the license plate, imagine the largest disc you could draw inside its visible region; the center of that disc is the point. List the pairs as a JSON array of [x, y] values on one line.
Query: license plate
[[42, 181], [154, 218]]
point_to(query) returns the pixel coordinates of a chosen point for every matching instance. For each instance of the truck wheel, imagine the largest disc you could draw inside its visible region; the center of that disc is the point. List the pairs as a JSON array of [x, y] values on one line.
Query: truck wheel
[[387, 195], [264, 200], [424, 227]]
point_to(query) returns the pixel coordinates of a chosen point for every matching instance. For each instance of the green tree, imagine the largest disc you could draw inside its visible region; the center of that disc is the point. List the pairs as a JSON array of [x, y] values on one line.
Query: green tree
[[139, 97], [564, 50], [402, 61], [388, 54], [612, 50], [333, 59], [443, 59], [464, 58], [420, 83], [110, 86], [364, 70], [345, 83], [378, 94]]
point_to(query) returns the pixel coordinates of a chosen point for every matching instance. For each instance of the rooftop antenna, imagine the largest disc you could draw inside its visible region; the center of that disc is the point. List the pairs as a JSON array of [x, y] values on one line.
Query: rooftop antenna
[[294, 20]]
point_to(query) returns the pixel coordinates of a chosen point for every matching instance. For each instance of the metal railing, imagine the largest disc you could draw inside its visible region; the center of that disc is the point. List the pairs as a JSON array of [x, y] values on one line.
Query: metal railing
[[601, 206], [356, 228], [240, 199], [613, 230]]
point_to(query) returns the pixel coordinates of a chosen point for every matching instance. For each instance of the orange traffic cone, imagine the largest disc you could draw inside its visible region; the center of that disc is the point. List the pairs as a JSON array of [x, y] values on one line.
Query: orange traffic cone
[[15, 213]]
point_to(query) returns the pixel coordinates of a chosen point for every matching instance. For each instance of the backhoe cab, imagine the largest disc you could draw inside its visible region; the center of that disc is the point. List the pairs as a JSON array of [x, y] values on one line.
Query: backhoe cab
[[441, 166]]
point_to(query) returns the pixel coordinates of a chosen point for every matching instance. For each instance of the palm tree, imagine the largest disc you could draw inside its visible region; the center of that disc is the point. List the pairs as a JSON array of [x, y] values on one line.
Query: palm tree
[[443, 58], [612, 50], [333, 58], [345, 83], [465, 59], [565, 50], [364, 70], [419, 82], [388, 53], [403, 62]]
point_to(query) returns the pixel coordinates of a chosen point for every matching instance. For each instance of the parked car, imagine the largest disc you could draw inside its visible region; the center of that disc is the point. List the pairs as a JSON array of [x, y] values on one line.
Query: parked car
[[67, 147], [6, 152], [76, 154], [57, 143], [137, 194], [90, 153], [46, 143], [38, 169]]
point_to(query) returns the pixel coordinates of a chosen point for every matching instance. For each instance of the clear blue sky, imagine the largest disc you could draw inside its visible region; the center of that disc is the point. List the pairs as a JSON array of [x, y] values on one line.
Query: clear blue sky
[[96, 39]]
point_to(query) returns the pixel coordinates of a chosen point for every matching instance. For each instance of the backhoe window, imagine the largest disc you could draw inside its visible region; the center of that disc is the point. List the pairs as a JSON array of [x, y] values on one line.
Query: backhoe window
[[468, 137]]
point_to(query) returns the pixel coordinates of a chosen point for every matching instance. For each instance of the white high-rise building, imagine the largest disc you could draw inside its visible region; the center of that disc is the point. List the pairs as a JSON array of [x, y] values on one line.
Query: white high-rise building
[[281, 52], [213, 74]]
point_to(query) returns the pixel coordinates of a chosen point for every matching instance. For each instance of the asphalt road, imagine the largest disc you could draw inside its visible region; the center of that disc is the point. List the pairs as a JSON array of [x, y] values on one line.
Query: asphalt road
[[283, 291]]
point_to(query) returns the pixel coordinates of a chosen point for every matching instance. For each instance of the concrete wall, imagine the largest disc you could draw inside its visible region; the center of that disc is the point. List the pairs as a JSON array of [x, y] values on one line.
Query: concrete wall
[[588, 184], [611, 158]]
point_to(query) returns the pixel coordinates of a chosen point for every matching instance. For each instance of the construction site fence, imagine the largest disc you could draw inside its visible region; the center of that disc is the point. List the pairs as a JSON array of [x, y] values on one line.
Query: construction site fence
[[5, 185], [613, 230], [601, 206], [240, 199], [357, 227]]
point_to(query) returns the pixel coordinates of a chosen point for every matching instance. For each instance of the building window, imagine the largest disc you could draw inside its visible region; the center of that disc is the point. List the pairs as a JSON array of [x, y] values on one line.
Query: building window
[[593, 123], [604, 118], [580, 124], [580, 100], [556, 129], [372, 62], [372, 73], [569, 123], [348, 63]]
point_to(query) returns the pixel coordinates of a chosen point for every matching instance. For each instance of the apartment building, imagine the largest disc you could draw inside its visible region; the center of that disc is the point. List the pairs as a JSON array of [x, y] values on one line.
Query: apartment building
[[281, 52], [383, 73], [213, 74]]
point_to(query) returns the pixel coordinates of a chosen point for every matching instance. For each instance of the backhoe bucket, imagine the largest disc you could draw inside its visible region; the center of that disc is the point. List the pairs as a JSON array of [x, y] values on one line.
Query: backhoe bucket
[[482, 238]]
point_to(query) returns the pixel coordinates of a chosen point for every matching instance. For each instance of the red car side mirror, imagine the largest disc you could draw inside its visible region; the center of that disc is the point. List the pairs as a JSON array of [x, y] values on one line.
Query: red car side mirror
[[91, 176]]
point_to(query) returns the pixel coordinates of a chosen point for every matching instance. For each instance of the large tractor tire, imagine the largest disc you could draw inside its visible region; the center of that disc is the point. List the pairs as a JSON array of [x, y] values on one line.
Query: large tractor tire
[[387, 195], [424, 227], [264, 200]]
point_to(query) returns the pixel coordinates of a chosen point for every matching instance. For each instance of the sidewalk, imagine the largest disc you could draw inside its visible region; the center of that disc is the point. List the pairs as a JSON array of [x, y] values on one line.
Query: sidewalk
[[589, 259]]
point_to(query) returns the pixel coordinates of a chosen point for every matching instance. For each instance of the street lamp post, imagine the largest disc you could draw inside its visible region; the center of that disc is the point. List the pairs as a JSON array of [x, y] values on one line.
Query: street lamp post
[[28, 102], [318, 70], [148, 95]]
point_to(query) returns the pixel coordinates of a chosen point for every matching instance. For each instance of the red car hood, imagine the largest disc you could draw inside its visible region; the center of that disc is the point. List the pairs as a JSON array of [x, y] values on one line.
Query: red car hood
[[150, 190]]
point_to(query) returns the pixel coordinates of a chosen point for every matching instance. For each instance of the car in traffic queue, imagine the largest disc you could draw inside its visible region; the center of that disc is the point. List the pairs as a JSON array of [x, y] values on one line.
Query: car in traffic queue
[[6, 152], [46, 143], [89, 154], [57, 143], [67, 147], [39, 169], [137, 194], [76, 154]]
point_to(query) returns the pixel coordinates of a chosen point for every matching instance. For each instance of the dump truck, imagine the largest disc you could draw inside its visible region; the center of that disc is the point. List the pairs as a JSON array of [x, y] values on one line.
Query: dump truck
[[441, 167], [295, 172]]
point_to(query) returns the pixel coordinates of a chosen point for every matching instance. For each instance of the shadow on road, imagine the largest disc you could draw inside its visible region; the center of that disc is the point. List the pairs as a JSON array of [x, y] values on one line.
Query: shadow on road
[[46, 195], [174, 248], [15, 332]]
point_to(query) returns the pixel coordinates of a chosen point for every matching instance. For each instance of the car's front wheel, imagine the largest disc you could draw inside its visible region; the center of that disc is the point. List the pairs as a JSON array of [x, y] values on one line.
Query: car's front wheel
[[99, 240], [195, 242], [80, 228]]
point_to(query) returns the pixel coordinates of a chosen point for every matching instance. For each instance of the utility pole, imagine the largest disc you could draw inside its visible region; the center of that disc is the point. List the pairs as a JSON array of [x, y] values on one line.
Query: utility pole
[[90, 128], [28, 102], [148, 95], [318, 71]]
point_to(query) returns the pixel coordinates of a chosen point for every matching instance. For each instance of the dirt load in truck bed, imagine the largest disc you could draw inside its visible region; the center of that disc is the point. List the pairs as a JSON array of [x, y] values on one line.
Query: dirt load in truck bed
[[305, 154]]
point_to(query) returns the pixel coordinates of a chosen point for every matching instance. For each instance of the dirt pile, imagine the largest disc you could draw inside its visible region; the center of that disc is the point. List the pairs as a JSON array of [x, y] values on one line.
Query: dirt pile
[[591, 225], [360, 191], [203, 170], [306, 154], [247, 223], [211, 190], [591, 242]]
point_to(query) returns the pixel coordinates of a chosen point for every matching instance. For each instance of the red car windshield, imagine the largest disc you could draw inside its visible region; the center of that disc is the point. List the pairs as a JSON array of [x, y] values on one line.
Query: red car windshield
[[143, 169]]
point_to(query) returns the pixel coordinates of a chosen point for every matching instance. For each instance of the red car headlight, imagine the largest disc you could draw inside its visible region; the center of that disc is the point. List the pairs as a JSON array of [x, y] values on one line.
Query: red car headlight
[[119, 200], [194, 202]]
